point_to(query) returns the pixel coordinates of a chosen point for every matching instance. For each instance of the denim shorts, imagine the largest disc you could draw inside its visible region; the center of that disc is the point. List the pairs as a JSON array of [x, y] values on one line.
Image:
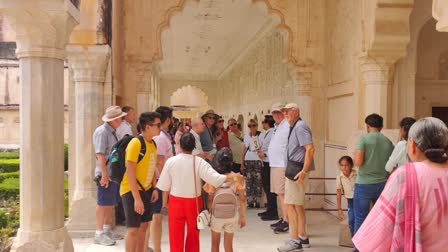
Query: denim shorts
[[107, 196]]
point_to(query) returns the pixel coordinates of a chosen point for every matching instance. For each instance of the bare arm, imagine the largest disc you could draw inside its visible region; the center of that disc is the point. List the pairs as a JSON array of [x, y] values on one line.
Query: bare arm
[[359, 158], [309, 155], [338, 202], [104, 175]]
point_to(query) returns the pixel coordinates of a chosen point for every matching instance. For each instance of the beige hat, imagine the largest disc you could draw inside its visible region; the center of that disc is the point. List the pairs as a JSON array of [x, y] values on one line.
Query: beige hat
[[277, 106], [291, 106], [112, 113]]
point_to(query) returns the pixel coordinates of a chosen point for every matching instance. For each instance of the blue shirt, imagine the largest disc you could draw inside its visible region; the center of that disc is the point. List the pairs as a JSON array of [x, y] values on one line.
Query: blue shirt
[[299, 137], [103, 141]]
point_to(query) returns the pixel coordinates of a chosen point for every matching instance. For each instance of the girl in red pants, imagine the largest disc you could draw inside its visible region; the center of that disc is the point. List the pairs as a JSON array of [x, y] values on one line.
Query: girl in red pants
[[178, 178]]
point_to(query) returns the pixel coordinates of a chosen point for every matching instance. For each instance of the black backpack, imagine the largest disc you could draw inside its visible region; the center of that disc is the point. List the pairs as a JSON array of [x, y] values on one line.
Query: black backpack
[[117, 158]]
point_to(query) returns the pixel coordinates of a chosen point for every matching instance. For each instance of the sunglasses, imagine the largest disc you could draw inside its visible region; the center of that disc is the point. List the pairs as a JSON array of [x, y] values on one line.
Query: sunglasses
[[220, 121], [158, 125], [232, 124], [252, 125]]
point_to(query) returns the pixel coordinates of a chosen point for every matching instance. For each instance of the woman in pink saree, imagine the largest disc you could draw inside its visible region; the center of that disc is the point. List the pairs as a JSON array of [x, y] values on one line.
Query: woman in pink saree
[[412, 211]]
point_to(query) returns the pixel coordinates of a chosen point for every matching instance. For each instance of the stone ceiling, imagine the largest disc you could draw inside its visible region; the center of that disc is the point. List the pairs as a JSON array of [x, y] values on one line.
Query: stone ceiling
[[208, 36]]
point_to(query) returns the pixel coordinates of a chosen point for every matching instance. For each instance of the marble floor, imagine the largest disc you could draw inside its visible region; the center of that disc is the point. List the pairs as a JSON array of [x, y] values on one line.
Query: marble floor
[[256, 236]]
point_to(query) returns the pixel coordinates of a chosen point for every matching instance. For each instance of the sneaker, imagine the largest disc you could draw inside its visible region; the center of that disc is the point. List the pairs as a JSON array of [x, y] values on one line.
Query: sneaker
[[114, 236], [273, 226], [104, 240], [290, 246], [305, 242], [282, 228]]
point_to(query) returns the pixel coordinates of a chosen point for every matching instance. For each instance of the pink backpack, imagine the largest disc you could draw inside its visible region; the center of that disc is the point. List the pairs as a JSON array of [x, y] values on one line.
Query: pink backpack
[[224, 202]]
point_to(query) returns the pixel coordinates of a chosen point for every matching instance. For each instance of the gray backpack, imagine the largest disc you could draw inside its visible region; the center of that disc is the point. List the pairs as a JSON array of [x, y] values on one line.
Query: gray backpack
[[224, 204]]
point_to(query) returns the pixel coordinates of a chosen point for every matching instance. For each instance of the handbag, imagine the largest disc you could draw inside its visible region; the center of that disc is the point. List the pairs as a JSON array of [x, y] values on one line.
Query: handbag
[[292, 169], [203, 219]]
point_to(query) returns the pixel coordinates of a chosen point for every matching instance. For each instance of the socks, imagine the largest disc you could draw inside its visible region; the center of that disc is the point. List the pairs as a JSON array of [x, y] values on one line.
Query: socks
[[106, 228], [98, 232], [302, 237]]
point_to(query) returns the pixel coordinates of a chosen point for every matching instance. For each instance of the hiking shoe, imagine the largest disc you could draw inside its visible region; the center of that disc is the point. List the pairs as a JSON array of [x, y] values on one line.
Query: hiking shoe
[[273, 226], [290, 246], [114, 236], [305, 242], [104, 240], [282, 228], [269, 217]]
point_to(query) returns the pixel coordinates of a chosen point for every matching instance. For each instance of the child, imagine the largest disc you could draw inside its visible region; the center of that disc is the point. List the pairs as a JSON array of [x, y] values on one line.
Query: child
[[224, 160], [345, 184]]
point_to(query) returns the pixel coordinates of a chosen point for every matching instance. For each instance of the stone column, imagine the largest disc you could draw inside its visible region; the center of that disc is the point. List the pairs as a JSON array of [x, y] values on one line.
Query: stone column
[[89, 64], [42, 30], [377, 74], [144, 76]]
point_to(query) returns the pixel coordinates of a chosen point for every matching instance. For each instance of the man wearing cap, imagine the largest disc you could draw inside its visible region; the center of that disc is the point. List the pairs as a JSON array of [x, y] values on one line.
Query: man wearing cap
[[104, 139], [207, 139], [300, 153], [277, 161]]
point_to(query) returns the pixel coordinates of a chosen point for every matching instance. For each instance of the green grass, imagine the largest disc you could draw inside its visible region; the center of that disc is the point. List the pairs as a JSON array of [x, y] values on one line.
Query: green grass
[[9, 155]]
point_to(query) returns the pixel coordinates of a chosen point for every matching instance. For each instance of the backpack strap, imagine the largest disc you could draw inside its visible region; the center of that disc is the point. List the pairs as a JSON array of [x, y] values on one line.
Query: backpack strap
[[141, 155]]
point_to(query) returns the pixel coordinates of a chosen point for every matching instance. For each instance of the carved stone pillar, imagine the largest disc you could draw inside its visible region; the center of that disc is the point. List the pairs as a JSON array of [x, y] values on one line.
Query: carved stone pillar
[[440, 13], [89, 64], [42, 29], [377, 74], [144, 76]]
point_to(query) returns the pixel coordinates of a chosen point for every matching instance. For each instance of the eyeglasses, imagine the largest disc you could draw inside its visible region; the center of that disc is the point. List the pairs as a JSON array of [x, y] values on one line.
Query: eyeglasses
[[252, 125], [221, 121], [158, 125], [232, 124]]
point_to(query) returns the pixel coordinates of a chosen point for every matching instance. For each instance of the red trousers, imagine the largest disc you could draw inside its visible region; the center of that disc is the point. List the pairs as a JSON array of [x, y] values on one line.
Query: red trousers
[[181, 211]]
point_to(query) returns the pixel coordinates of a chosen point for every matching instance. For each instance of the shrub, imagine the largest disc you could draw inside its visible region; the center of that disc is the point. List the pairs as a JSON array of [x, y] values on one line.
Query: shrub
[[9, 188], [9, 165], [9, 155], [65, 157], [4, 176]]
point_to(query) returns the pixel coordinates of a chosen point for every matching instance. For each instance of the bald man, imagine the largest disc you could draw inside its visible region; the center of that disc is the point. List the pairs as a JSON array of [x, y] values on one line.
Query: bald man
[[197, 127]]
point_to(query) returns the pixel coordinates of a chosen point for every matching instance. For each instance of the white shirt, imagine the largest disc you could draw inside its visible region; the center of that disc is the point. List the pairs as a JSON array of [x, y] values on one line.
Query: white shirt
[[198, 146], [398, 156], [164, 147], [177, 176], [124, 129], [252, 143], [278, 145]]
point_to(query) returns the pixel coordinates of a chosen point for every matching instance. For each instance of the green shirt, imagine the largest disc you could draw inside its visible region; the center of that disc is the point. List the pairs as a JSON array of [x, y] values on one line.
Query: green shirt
[[377, 149]]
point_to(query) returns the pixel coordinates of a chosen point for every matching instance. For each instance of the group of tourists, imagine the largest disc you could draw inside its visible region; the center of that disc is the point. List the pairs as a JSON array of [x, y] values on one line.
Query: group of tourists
[[181, 167]]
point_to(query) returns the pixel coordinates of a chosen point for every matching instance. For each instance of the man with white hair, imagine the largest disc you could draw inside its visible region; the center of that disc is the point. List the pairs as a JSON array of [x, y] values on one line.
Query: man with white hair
[[300, 154], [197, 127]]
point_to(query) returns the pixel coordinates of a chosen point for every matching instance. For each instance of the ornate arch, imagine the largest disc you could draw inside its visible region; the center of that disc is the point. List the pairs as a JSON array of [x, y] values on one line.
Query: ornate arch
[[189, 96], [165, 24]]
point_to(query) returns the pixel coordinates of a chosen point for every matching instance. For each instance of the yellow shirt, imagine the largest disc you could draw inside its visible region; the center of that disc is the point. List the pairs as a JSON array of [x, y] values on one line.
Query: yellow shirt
[[145, 168]]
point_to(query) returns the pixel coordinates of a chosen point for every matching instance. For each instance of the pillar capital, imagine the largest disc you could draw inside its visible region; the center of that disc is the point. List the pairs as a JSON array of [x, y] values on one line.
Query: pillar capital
[[377, 70], [440, 13], [42, 27], [89, 63]]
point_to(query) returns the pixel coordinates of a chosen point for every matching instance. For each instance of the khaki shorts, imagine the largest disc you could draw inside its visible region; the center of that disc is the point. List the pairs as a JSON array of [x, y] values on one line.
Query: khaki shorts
[[226, 225], [278, 180], [295, 193]]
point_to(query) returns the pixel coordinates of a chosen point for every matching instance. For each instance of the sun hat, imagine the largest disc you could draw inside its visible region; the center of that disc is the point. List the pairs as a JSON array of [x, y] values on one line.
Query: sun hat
[[112, 113]]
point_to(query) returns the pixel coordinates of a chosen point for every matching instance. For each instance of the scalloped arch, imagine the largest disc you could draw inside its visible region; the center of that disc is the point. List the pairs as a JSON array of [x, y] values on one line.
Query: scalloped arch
[[165, 24], [189, 96]]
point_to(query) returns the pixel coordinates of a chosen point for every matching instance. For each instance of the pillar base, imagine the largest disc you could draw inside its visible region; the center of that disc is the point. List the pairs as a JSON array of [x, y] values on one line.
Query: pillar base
[[43, 241], [82, 218]]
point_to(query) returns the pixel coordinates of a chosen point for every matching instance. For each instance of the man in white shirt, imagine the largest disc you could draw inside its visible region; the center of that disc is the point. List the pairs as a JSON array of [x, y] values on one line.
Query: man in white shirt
[[126, 127], [197, 127], [277, 160]]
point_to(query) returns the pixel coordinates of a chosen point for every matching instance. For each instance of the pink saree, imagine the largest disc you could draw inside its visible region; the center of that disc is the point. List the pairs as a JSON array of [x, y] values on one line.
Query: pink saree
[[393, 224]]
